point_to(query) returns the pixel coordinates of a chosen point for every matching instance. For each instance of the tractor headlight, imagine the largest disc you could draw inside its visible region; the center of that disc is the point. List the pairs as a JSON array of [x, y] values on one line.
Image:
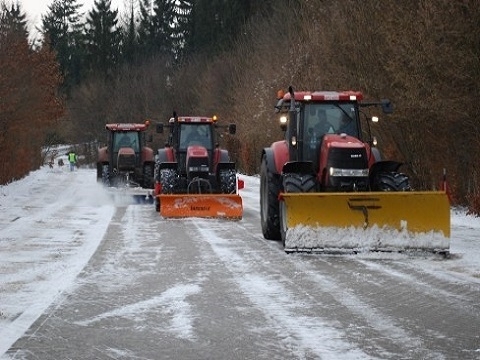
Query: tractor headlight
[[348, 172]]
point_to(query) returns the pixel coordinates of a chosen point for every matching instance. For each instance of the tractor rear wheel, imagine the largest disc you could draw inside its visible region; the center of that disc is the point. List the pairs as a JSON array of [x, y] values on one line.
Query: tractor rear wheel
[[228, 181], [148, 176], [105, 175], [99, 172], [269, 190]]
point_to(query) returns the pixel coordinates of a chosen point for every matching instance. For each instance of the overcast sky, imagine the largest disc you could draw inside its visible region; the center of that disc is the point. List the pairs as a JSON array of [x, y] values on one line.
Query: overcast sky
[[36, 8]]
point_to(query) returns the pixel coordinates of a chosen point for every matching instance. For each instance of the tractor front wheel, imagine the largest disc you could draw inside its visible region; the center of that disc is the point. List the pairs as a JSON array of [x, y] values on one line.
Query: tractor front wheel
[[293, 183], [392, 181], [269, 210]]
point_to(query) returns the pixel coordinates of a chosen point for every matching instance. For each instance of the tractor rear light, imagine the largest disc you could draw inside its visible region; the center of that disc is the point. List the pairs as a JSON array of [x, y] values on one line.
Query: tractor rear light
[[240, 184], [353, 98], [348, 172], [158, 188], [307, 97]]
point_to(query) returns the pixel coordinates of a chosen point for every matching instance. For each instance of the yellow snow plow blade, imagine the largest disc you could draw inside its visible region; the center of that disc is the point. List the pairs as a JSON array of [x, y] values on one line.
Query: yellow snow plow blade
[[378, 221], [201, 205]]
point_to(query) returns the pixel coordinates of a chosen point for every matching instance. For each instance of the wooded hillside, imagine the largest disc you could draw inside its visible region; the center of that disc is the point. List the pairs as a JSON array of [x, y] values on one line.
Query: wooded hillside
[[230, 61]]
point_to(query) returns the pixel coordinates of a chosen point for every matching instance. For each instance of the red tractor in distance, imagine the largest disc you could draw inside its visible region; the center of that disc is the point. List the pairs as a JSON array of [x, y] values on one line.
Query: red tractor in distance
[[126, 162], [194, 177]]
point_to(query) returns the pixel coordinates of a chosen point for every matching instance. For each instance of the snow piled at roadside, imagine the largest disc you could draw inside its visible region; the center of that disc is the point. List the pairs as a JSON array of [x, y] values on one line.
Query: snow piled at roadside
[[52, 223]]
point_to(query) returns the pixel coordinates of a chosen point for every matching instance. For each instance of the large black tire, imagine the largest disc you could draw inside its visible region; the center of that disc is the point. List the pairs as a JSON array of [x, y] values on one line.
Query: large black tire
[[105, 175], [99, 172], [269, 189], [392, 181], [168, 179], [294, 183], [298, 183], [228, 181], [148, 176]]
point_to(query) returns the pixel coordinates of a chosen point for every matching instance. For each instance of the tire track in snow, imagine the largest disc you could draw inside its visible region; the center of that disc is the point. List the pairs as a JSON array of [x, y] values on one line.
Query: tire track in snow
[[172, 303], [303, 334], [66, 232]]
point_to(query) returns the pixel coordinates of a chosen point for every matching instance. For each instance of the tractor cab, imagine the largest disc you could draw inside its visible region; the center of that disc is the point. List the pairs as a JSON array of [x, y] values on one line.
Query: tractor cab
[[126, 139], [322, 118]]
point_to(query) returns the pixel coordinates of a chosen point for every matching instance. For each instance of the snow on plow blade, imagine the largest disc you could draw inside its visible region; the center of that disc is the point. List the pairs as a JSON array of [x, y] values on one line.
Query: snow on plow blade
[[201, 205], [374, 221]]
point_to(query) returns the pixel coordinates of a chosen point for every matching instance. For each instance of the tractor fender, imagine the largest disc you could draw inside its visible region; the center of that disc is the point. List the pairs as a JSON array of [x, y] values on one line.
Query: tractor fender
[[102, 156], [268, 153], [165, 155], [377, 157], [384, 166], [224, 156], [147, 155], [276, 155], [221, 156]]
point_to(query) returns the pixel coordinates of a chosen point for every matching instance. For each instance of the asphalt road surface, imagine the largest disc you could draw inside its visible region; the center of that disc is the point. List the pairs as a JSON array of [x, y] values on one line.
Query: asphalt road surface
[[215, 289]]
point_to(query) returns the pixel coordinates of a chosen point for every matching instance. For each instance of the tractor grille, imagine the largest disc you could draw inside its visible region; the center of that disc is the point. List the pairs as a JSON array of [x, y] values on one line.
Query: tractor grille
[[347, 158], [346, 166], [126, 162]]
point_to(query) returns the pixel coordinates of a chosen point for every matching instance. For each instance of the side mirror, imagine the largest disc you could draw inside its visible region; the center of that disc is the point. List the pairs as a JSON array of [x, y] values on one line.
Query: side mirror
[[387, 106], [232, 129], [159, 128]]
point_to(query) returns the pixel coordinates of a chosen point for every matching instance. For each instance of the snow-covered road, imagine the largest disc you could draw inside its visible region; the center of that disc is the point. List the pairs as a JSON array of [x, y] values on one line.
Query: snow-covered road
[[76, 265]]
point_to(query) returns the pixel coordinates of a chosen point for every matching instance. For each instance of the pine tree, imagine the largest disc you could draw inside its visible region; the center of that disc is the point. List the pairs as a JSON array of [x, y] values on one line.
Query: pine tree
[[63, 31], [102, 38], [216, 23], [13, 21], [155, 30], [182, 29], [129, 43]]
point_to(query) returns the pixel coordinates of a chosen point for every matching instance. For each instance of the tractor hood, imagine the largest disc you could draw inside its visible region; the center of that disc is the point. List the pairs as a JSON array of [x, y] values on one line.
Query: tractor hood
[[342, 141]]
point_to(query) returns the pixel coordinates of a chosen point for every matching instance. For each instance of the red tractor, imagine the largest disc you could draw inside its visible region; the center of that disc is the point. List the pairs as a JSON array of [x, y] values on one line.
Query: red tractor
[[126, 161], [193, 175], [327, 177]]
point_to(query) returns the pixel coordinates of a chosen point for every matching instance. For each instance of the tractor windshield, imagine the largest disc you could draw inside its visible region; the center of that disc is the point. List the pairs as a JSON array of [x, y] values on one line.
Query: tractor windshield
[[126, 139], [326, 118], [195, 134], [330, 118]]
